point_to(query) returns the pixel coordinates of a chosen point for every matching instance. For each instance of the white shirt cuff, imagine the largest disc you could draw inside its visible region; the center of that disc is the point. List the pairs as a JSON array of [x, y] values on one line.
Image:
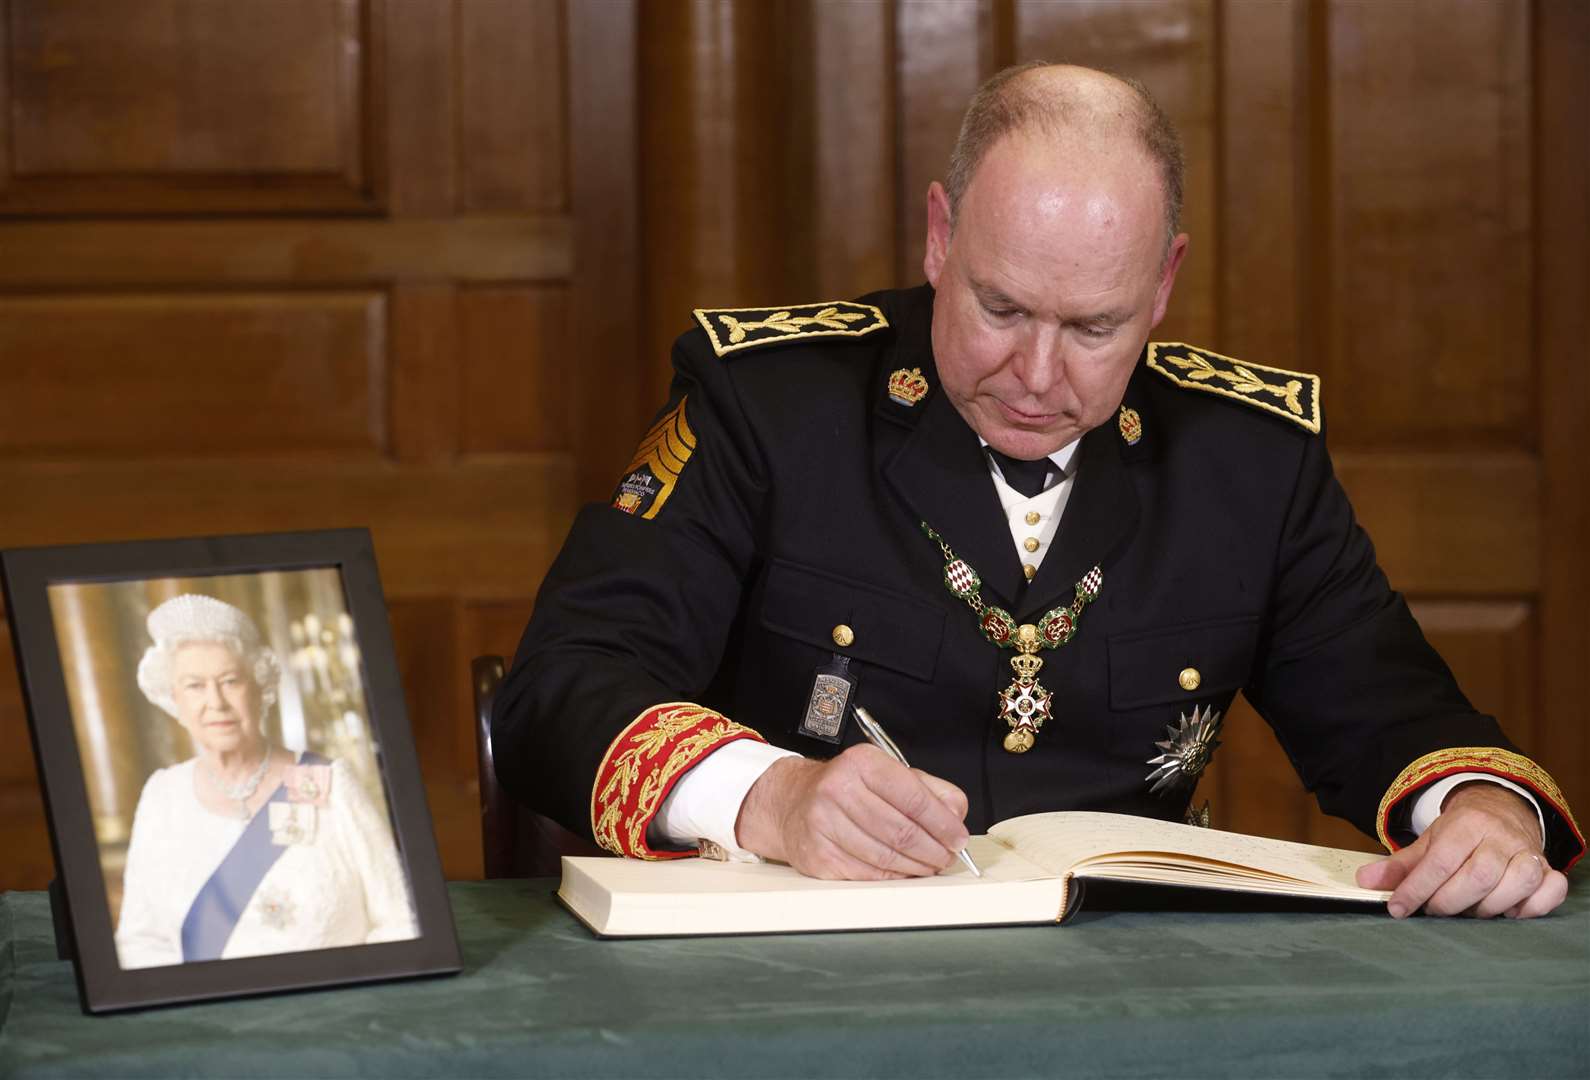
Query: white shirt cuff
[[705, 802], [1428, 805]]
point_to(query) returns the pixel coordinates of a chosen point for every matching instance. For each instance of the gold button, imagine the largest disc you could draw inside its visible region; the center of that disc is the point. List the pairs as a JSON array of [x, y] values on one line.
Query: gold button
[[1032, 517], [1029, 570], [1031, 543], [843, 635], [1189, 677]]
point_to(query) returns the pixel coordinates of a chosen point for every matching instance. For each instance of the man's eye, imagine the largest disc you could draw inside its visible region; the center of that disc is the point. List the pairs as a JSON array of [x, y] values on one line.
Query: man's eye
[[1097, 332], [996, 312]]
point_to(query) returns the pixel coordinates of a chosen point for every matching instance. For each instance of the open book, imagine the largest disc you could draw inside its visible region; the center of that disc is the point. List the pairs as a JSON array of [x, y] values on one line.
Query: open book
[[1028, 866]]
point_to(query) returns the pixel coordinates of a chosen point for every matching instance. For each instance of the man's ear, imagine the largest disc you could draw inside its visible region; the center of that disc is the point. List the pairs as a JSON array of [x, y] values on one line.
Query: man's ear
[[1167, 277], [938, 233]]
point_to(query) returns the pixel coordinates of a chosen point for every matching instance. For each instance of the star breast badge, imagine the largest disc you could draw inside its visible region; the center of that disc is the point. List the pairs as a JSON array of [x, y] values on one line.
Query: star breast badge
[[1188, 746]]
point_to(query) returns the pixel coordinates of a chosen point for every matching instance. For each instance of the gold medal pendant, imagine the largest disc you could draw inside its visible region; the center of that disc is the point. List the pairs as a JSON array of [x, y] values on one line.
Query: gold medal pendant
[[1024, 704]]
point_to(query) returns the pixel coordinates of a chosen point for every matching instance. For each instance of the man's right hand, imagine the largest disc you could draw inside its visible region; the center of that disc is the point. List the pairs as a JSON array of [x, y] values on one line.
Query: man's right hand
[[861, 816]]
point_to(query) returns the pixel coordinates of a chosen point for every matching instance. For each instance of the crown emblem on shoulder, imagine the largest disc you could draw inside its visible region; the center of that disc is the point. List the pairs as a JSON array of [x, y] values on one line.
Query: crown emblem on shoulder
[[732, 329], [907, 386], [1291, 395]]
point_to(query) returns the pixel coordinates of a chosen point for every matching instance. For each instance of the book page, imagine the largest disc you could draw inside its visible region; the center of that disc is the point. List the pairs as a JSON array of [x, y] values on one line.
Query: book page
[[1144, 849]]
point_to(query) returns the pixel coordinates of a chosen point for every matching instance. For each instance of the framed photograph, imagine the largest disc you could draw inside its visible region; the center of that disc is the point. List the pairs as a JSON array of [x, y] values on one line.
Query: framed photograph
[[234, 802]]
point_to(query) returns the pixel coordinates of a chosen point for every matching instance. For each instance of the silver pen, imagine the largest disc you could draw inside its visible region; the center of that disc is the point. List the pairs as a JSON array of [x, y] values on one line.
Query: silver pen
[[880, 738]]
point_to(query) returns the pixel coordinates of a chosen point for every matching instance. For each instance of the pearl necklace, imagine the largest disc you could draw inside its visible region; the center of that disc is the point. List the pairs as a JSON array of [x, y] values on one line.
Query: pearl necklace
[[244, 790]]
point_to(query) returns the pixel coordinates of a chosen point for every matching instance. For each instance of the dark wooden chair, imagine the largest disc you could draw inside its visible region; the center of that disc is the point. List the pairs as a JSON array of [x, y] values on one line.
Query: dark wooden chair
[[518, 841]]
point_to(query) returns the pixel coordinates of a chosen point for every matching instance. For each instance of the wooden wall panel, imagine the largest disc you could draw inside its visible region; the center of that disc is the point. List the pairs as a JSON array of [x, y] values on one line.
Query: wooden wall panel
[[250, 373], [301, 251], [1261, 200], [415, 63], [517, 366], [487, 528], [941, 62], [161, 104], [853, 196], [1444, 523], [1562, 312], [511, 125], [1430, 233]]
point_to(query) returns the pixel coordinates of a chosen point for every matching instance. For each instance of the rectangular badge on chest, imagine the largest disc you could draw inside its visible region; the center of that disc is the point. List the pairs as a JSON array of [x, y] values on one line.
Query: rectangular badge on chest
[[833, 687]]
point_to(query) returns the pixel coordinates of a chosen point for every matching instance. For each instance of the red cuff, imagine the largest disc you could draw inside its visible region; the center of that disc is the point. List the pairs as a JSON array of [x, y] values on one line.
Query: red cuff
[[1483, 759], [642, 765]]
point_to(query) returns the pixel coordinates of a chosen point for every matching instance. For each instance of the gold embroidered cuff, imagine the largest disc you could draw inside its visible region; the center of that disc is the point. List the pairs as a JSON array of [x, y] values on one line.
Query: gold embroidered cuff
[[1483, 759], [643, 763]]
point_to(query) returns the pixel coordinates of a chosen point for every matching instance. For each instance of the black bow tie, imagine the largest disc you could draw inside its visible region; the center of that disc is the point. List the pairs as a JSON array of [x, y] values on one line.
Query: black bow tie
[[1027, 477]]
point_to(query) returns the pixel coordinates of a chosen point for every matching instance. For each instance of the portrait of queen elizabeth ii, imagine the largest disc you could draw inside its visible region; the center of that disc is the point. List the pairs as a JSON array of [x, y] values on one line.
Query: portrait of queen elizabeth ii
[[246, 848]]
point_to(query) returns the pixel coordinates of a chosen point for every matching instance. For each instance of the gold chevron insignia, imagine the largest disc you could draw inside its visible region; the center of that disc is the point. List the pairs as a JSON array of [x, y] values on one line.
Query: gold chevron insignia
[[732, 329], [1293, 395], [660, 458]]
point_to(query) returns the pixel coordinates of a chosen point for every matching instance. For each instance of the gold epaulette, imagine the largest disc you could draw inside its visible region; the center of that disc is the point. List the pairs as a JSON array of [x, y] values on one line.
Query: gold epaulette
[[732, 329], [1293, 395], [641, 766]]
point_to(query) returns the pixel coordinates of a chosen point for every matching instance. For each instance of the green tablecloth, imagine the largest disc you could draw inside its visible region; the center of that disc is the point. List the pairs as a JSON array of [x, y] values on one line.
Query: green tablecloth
[[1116, 993]]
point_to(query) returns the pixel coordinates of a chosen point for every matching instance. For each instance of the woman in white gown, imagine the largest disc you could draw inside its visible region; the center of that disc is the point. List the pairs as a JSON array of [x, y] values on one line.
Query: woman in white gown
[[246, 848]]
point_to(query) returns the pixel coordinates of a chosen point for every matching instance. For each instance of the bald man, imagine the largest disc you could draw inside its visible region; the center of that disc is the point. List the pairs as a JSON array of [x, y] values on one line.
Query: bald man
[[1045, 552]]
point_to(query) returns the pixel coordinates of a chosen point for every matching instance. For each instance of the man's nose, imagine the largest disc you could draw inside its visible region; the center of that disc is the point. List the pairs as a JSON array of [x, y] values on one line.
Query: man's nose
[[1041, 362]]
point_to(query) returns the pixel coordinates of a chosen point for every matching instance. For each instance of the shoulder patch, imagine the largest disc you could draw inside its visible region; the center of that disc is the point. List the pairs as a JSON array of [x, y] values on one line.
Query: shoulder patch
[[1293, 395], [732, 329], [663, 453]]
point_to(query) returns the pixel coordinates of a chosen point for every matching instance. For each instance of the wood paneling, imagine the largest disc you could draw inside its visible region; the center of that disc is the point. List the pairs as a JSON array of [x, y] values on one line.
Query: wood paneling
[[250, 374], [1263, 153], [1449, 523], [415, 64], [941, 62], [609, 399], [166, 103], [1430, 228], [426, 409], [307, 251], [516, 367], [513, 150], [854, 203], [482, 528], [1491, 647], [1561, 156]]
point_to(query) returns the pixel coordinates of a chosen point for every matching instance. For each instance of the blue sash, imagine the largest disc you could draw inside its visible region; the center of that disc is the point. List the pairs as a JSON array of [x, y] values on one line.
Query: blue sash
[[221, 902]]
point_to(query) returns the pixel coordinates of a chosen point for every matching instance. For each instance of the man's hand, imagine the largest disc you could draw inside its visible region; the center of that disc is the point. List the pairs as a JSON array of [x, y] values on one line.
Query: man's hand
[[1481, 857], [861, 816]]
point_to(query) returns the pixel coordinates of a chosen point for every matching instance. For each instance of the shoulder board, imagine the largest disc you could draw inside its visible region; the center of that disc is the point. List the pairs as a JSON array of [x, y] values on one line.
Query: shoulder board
[[1293, 395], [732, 329]]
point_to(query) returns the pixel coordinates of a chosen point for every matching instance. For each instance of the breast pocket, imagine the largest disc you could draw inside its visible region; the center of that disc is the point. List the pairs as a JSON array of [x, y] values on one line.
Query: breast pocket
[[1192, 663], [882, 627]]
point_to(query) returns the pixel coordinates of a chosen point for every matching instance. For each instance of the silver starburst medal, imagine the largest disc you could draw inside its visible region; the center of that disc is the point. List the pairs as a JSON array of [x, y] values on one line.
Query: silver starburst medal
[[1188, 747]]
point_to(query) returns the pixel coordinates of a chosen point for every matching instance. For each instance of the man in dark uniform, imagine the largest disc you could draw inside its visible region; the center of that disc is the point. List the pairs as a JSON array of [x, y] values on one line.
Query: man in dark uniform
[[1044, 553]]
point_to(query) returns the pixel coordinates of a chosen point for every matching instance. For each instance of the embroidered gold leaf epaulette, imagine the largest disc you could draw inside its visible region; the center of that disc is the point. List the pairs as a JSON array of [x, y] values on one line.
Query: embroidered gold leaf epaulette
[[732, 329], [1479, 759], [658, 461], [641, 766], [1290, 394]]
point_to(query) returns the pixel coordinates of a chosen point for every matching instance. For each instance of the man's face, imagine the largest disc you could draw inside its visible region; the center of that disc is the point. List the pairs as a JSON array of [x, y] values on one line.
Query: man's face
[[1054, 276]]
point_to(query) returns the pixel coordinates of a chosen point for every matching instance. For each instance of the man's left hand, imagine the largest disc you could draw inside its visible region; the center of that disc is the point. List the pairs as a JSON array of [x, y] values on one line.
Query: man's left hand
[[1480, 857]]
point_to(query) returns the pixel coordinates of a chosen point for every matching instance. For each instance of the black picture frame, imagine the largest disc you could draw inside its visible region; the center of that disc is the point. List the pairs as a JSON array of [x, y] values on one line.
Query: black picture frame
[[84, 921]]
